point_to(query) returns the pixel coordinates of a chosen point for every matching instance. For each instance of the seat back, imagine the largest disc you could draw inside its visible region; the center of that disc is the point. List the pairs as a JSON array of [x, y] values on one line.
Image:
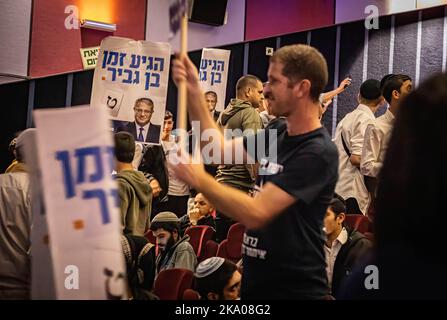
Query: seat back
[[231, 248], [191, 294], [198, 237], [170, 284], [210, 250], [150, 236], [359, 222]]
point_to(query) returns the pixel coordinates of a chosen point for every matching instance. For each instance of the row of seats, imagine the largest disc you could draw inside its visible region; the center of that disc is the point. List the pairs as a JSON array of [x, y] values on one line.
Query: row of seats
[[204, 247], [177, 284]]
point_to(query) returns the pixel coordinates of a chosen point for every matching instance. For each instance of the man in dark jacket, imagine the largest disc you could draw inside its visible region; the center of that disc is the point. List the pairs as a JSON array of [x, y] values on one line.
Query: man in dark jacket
[[344, 247], [134, 191], [154, 167], [199, 215]]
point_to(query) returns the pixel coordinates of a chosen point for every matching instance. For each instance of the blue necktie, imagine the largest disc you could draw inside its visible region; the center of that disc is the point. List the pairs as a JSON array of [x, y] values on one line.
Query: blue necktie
[[140, 136]]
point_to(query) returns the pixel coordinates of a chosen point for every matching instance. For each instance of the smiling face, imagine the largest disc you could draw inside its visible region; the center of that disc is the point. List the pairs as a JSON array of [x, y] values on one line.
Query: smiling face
[[211, 101], [143, 112], [278, 91]]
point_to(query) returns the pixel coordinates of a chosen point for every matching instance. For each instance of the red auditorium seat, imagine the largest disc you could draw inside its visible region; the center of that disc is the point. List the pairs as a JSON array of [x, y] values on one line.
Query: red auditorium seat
[[369, 236], [210, 250], [191, 294], [199, 236], [170, 284], [150, 236], [359, 222], [231, 248]]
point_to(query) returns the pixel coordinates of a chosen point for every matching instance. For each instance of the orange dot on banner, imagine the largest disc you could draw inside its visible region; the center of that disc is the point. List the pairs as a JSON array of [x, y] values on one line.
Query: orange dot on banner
[[78, 224], [103, 78]]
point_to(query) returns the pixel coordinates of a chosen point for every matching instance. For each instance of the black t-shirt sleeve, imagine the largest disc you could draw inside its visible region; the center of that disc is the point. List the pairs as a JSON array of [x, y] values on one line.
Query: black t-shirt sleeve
[[304, 178]]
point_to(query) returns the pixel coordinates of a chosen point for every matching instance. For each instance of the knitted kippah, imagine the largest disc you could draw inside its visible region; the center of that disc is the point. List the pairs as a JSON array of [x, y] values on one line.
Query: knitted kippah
[[208, 266], [166, 216]]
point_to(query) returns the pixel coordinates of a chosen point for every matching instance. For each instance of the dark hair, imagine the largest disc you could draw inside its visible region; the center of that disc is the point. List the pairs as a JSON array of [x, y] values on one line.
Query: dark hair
[[212, 93], [413, 181], [393, 83], [303, 62], [338, 205], [248, 81], [168, 226], [148, 101], [124, 147], [168, 115], [216, 281], [384, 80]]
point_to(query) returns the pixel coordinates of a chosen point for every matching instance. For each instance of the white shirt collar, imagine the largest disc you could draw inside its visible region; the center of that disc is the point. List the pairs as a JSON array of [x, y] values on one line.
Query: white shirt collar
[[342, 237], [389, 115], [366, 109], [146, 127]]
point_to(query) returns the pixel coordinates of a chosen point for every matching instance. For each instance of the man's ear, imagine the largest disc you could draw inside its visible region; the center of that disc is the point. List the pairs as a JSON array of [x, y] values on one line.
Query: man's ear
[[341, 218], [302, 88], [212, 296], [395, 94]]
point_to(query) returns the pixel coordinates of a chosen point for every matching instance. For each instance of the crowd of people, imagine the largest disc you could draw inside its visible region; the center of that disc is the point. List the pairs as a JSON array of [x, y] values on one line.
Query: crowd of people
[[297, 244]]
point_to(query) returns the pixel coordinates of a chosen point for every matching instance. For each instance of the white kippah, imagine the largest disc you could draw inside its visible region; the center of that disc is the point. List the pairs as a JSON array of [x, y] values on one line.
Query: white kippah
[[208, 266]]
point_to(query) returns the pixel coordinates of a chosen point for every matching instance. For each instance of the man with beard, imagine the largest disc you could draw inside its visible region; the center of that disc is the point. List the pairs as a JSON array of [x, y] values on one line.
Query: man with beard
[[175, 251]]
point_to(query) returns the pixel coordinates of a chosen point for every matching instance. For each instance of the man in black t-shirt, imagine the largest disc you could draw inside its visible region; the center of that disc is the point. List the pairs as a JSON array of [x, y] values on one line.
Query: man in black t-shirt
[[282, 248]]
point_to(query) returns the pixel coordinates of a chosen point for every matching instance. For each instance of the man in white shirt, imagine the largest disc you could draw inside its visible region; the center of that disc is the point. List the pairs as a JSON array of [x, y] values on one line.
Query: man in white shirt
[[377, 136], [349, 138], [178, 191]]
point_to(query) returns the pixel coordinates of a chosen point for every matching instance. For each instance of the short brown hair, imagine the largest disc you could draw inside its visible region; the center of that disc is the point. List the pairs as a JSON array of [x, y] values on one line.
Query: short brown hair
[[303, 62], [248, 81]]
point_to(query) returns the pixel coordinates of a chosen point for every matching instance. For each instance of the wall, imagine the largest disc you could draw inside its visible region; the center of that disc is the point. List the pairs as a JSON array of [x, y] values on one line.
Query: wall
[[55, 49], [351, 10], [266, 18], [413, 43], [15, 21], [199, 35]]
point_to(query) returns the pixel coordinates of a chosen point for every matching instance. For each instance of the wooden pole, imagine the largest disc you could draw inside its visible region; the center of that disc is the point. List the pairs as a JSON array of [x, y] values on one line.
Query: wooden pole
[[181, 98]]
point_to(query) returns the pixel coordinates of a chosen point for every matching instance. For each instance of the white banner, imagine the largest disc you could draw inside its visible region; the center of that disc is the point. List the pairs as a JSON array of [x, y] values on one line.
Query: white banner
[[42, 281], [214, 73], [81, 203], [129, 70]]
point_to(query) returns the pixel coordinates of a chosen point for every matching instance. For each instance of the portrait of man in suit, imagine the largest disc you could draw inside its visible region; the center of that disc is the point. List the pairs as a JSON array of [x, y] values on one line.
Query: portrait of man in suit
[[142, 129], [211, 101]]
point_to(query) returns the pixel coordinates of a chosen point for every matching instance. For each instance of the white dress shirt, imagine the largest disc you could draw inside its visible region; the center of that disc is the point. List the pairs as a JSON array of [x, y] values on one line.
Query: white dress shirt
[[145, 131], [350, 181], [176, 186], [376, 144], [331, 254]]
